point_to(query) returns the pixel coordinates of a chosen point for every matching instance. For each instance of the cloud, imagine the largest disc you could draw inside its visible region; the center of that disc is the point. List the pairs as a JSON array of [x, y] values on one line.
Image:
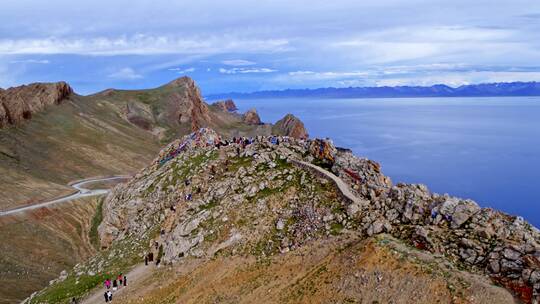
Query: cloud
[[125, 74], [246, 70], [238, 62], [328, 75], [140, 45], [30, 61], [182, 71]]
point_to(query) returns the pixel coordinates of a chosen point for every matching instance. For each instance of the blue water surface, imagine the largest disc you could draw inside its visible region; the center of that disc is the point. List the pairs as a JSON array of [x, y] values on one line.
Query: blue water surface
[[486, 149]]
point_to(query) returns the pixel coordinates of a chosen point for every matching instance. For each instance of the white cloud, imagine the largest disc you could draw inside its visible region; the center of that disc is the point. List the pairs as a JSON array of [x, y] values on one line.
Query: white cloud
[[140, 45], [328, 75], [31, 61], [238, 62], [125, 74], [246, 70], [182, 71]]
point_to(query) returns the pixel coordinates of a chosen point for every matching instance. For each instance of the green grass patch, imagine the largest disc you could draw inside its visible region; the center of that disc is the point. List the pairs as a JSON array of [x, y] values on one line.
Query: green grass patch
[[335, 228], [210, 205], [120, 258], [96, 220], [238, 162]]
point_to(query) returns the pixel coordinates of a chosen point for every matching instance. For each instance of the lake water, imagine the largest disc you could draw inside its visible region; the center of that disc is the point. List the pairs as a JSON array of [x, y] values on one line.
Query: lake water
[[486, 149]]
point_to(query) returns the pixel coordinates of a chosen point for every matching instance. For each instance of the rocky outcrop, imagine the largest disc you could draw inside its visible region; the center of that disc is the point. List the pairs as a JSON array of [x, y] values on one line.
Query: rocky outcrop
[[185, 104], [20, 103], [240, 195], [226, 105], [290, 125], [251, 117]]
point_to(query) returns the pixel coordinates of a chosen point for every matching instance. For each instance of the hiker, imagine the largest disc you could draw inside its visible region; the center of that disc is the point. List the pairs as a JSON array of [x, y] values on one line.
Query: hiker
[[106, 295], [146, 260], [151, 256], [173, 208], [198, 190], [158, 260], [162, 233], [114, 285], [238, 151], [156, 244], [73, 301], [109, 294], [188, 198], [125, 281], [187, 182], [107, 283], [120, 278]]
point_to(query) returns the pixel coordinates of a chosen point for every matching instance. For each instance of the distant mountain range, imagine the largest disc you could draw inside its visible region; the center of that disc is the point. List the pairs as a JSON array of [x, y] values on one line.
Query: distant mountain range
[[439, 90]]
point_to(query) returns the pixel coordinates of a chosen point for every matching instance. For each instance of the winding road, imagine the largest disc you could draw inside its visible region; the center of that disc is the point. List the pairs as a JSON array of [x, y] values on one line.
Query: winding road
[[80, 193]]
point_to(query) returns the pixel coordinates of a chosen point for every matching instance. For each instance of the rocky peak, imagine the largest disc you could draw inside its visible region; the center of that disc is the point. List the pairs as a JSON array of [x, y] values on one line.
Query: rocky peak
[[18, 104], [251, 117], [275, 195], [186, 105], [181, 82], [290, 125], [226, 105]]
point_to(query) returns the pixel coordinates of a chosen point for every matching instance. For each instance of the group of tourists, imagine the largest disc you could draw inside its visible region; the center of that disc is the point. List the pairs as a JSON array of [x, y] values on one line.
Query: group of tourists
[[114, 284]]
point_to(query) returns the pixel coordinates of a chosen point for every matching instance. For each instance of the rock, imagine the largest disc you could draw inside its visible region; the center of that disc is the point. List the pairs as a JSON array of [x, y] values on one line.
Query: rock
[[186, 105], [510, 266], [511, 254], [323, 150], [20, 103], [63, 275], [462, 212], [291, 126], [251, 117], [226, 105], [535, 277], [494, 266], [280, 225], [376, 227]]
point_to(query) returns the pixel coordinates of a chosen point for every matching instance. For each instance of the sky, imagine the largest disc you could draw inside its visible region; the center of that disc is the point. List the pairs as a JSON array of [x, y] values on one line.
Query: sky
[[246, 46]]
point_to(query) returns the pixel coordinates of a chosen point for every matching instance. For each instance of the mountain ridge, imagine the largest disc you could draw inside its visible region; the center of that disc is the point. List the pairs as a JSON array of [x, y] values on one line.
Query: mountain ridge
[[245, 215], [439, 90]]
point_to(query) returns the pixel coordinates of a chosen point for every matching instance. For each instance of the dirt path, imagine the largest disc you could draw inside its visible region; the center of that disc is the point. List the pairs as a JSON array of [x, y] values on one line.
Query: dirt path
[[81, 192], [135, 276], [342, 186]]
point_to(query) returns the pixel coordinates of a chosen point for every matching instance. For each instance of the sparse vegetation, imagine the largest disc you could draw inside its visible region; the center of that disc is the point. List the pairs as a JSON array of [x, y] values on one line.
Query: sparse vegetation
[[96, 220]]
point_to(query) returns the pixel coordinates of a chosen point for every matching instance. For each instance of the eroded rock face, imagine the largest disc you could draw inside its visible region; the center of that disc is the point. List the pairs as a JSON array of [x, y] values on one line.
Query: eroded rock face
[[226, 105], [251, 117], [187, 105], [20, 103], [290, 125]]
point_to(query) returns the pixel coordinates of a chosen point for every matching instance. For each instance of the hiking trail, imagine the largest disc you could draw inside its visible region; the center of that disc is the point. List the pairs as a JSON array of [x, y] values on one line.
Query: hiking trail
[[136, 275]]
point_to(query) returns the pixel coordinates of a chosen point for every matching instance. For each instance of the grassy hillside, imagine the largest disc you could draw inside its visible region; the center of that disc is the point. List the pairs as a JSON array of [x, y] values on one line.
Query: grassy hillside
[[112, 132], [37, 245], [82, 137]]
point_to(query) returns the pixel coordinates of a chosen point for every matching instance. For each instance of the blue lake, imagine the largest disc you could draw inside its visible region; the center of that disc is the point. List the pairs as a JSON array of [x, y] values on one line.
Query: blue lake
[[486, 149]]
